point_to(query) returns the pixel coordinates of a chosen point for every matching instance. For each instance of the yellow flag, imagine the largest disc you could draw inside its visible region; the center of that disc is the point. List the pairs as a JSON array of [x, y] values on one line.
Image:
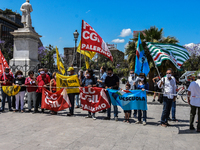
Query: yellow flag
[[87, 62], [68, 81], [11, 90], [60, 65], [89, 54]]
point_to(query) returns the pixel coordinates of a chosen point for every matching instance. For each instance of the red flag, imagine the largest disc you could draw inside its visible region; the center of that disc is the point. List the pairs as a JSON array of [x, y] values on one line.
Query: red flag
[[91, 41], [55, 101], [93, 99], [3, 64]]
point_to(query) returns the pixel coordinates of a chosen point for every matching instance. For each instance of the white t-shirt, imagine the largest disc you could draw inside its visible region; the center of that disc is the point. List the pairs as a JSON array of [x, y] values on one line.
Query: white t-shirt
[[194, 88], [169, 87], [131, 80]]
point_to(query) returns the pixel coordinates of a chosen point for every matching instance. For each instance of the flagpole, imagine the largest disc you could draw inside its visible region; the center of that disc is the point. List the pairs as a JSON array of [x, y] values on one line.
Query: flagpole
[[156, 68]]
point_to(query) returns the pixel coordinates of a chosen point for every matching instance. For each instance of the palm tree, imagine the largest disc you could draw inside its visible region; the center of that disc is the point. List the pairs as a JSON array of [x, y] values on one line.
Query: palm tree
[[153, 34]]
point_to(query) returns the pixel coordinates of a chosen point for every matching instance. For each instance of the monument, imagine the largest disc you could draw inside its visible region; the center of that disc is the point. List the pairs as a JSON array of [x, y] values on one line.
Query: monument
[[25, 41]]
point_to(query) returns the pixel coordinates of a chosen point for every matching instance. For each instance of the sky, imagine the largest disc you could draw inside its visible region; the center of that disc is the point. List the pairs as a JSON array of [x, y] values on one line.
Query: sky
[[113, 20]]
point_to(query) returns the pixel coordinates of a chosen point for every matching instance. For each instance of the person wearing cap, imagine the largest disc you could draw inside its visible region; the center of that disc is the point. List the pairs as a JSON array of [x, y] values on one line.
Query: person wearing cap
[[194, 102], [71, 96], [43, 80], [6, 79]]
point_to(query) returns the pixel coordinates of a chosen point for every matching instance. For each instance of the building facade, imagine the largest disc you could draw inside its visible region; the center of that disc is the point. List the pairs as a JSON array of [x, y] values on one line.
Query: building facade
[[9, 21]]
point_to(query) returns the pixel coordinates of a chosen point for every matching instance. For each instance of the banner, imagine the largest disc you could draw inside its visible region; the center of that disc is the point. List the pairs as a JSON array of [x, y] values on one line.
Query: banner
[[60, 65], [11, 90], [129, 100], [91, 41], [68, 81], [93, 99], [141, 63], [55, 101], [89, 54]]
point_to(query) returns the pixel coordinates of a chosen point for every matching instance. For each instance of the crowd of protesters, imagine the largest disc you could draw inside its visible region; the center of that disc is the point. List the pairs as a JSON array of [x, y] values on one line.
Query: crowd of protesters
[[164, 86]]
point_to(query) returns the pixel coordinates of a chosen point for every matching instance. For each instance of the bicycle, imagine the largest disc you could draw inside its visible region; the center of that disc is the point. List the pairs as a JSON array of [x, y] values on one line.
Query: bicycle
[[182, 91]]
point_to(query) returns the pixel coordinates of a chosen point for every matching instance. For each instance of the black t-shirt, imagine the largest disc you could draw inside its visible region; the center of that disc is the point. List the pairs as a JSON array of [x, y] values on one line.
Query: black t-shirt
[[20, 82], [111, 81]]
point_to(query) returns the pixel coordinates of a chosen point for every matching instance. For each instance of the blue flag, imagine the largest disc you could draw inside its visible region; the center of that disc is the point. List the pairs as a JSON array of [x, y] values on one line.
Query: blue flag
[[141, 63], [129, 100]]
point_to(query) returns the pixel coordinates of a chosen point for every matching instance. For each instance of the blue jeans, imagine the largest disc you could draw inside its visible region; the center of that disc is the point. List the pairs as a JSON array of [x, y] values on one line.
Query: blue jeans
[[167, 104], [77, 100], [115, 111], [4, 96], [173, 109], [109, 109], [144, 115]]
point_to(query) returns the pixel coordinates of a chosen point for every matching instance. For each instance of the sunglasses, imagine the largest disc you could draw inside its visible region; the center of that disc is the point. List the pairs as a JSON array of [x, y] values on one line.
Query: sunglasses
[[109, 73], [168, 73]]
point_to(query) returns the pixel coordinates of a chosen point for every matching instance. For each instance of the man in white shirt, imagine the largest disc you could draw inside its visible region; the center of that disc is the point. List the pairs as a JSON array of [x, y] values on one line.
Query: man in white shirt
[[169, 86], [194, 102], [133, 81]]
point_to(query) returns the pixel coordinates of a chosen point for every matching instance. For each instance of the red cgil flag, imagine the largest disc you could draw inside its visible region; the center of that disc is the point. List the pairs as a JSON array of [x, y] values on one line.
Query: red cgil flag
[[3, 64], [93, 99], [91, 41], [55, 101]]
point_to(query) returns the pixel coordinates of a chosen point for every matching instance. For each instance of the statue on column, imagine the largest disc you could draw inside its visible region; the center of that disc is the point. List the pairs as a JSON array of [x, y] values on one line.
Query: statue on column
[[26, 9]]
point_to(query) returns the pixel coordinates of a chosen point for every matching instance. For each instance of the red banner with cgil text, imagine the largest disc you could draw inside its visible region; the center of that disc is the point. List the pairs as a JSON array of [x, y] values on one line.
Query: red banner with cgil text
[[91, 41], [93, 99], [55, 101]]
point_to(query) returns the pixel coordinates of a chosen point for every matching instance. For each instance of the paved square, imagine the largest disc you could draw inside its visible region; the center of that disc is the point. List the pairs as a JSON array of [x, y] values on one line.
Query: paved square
[[19, 131]]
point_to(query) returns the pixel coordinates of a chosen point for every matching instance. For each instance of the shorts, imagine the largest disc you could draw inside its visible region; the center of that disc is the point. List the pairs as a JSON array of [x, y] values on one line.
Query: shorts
[[127, 111], [156, 89]]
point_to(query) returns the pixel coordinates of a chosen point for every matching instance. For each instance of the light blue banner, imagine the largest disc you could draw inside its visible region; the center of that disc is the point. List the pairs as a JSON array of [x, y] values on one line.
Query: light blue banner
[[129, 100]]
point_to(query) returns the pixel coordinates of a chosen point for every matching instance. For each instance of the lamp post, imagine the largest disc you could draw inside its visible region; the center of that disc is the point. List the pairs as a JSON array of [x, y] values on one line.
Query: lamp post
[[76, 34]]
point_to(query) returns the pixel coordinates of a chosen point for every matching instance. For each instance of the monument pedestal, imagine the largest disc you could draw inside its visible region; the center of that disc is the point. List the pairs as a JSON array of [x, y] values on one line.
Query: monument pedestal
[[25, 49]]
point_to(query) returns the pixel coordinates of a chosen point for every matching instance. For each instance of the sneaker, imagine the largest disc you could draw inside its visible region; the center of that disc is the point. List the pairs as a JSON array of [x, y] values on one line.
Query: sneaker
[[116, 118], [88, 116], [77, 107], [106, 118], [167, 124], [29, 110], [10, 110], [138, 122], [15, 110], [144, 123], [153, 100], [93, 117]]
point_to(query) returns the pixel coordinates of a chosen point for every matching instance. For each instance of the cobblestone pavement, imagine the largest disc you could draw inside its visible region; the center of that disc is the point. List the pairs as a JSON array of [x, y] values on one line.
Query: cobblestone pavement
[[21, 131]]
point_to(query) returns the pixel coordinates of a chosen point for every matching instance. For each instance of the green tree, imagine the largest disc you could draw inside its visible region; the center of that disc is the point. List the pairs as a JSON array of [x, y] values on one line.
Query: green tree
[[47, 56]]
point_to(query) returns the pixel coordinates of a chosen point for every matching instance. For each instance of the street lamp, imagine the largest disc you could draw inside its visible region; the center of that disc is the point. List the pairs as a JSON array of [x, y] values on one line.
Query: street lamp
[[76, 34]]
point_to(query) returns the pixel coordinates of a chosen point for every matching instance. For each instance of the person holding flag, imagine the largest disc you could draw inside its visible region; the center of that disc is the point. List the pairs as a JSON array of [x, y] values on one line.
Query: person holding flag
[[6, 79], [141, 63]]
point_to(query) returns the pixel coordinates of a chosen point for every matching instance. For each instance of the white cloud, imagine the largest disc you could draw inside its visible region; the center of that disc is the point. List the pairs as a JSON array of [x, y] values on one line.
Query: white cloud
[[125, 32], [125, 46], [88, 11], [118, 40]]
